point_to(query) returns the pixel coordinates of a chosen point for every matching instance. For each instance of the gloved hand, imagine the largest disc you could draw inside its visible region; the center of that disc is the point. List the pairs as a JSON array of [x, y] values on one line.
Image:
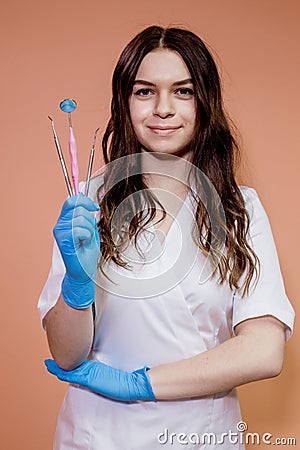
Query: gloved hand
[[105, 380], [78, 239]]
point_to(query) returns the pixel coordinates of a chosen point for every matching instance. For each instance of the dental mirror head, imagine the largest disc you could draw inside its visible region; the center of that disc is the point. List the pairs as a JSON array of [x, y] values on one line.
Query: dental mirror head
[[68, 105]]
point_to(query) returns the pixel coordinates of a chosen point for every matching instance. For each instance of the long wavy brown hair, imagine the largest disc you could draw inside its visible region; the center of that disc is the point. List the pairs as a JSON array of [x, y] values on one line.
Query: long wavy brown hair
[[221, 216]]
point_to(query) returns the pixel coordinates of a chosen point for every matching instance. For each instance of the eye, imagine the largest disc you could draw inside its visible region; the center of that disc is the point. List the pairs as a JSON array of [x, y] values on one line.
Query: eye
[[143, 92], [185, 91]]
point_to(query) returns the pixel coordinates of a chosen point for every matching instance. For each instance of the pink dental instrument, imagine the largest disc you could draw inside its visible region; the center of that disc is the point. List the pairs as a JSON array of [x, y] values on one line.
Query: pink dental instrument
[[69, 105], [61, 158]]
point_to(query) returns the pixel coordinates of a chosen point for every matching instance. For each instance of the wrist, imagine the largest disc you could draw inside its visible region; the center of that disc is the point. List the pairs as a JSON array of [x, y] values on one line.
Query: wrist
[[144, 391], [78, 294]]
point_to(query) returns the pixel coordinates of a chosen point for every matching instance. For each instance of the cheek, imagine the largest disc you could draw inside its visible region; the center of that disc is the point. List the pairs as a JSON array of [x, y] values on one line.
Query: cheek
[[190, 113], [139, 111], [187, 111], [135, 119]]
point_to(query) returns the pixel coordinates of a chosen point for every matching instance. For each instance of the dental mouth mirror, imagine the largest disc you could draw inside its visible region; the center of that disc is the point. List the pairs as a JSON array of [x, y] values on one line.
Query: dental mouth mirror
[[68, 106]]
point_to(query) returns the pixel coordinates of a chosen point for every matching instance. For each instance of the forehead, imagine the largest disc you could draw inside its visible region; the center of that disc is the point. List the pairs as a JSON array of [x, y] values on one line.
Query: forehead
[[162, 65]]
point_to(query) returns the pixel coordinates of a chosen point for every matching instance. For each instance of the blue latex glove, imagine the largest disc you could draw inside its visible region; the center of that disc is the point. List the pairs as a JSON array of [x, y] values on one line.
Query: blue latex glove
[[107, 381], [77, 237]]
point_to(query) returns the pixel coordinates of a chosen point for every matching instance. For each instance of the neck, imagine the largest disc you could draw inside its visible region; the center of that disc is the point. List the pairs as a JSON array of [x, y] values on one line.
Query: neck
[[165, 171]]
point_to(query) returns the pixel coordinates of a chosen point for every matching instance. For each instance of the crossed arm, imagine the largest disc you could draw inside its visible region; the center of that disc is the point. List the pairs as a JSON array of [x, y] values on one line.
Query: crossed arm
[[256, 352]]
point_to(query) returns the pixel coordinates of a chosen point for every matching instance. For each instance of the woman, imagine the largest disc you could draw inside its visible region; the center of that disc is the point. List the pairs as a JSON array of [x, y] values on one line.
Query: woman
[[187, 300]]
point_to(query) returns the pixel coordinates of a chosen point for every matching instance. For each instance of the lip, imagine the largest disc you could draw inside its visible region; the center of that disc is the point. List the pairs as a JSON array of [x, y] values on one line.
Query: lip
[[163, 131]]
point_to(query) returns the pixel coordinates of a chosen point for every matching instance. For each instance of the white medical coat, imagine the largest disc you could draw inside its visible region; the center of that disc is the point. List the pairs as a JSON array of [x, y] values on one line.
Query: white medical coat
[[161, 311]]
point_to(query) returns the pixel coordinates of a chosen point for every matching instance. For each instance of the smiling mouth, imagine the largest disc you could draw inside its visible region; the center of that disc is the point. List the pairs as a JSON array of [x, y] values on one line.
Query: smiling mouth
[[163, 131]]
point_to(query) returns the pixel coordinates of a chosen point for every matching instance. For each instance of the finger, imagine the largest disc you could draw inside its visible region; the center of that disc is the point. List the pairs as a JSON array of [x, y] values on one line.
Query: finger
[[79, 200], [83, 222], [68, 237], [88, 215], [78, 375], [76, 212], [52, 367], [97, 237], [82, 236], [70, 222], [61, 374]]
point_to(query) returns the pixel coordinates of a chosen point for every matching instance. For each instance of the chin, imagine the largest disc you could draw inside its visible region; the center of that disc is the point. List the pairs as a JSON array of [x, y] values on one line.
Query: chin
[[179, 152]]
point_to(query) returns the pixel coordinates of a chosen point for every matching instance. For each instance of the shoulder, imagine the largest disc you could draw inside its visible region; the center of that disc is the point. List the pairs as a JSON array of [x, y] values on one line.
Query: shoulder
[[249, 194], [254, 206], [251, 198]]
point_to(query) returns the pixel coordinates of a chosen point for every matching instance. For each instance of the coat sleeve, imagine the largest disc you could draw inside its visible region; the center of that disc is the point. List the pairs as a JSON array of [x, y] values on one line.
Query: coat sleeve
[[52, 288], [268, 296]]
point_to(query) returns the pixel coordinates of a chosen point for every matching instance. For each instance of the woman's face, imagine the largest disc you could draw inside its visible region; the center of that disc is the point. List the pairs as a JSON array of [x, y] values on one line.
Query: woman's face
[[162, 104]]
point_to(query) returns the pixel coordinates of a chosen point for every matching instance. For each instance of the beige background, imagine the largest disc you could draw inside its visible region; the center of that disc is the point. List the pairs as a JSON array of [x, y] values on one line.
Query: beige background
[[59, 49]]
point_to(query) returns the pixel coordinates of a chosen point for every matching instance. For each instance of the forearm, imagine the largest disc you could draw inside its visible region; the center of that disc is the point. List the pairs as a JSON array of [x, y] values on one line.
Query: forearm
[[69, 333], [245, 358]]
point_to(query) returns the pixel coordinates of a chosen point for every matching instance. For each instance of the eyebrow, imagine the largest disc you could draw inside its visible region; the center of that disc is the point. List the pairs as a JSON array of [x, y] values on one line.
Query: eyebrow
[[177, 83]]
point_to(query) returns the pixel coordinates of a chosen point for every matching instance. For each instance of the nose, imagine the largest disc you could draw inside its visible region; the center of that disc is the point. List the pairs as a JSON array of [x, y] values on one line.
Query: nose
[[163, 106]]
